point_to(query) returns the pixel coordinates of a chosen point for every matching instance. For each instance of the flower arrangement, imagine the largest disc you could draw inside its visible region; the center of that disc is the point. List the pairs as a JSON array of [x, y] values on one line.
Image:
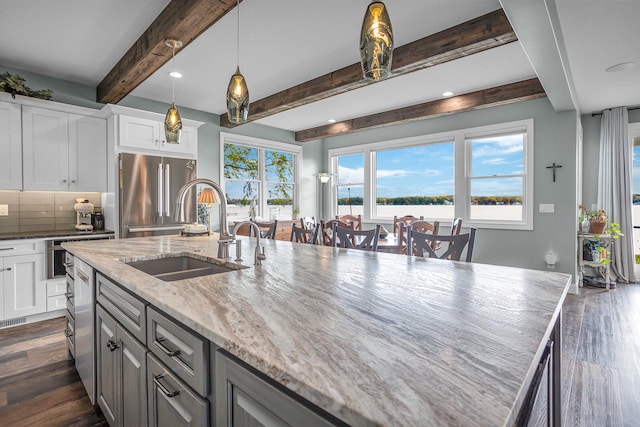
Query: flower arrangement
[[593, 215]]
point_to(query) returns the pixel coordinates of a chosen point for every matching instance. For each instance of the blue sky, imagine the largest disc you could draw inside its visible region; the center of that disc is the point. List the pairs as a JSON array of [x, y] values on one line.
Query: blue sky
[[428, 170]]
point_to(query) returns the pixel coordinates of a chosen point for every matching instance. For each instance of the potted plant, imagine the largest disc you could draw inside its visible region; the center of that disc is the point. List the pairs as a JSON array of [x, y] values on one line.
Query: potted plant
[[597, 219], [296, 212]]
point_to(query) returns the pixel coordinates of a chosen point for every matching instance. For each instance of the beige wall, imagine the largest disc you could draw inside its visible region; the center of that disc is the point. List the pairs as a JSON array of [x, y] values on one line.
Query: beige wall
[[41, 210]]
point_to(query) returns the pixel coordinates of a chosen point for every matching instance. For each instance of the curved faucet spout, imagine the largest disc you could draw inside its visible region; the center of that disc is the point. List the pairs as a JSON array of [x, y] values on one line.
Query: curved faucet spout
[[182, 193]]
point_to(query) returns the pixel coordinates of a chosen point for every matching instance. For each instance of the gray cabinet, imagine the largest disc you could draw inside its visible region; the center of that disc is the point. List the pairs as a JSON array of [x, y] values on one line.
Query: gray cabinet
[[183, 351], [243, 399], [121, 376], [171, 402]]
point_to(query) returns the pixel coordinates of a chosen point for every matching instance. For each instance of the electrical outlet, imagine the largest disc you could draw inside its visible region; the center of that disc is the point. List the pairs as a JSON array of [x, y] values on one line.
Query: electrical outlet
[[4, 210]]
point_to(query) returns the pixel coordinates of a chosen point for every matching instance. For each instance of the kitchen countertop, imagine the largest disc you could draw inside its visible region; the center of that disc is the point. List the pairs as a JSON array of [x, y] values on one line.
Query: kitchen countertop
[[51, 234], [372, 338]]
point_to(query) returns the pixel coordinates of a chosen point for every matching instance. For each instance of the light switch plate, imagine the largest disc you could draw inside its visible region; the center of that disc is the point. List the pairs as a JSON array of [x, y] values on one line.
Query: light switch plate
[[4, 210], [547, 208]]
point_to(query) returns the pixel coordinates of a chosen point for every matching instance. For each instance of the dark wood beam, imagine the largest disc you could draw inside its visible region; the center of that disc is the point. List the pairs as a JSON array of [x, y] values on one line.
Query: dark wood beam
[[183, 20], [506, 94], [479, 34]]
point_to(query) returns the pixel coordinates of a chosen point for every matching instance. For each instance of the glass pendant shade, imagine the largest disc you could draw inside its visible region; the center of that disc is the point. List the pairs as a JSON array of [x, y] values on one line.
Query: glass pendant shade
[[173, 125], [376, 42], [238, 98]]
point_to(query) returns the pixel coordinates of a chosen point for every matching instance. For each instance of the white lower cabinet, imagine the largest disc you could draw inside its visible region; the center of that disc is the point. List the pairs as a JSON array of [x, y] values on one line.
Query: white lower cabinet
[[24, 290], [121, 373]]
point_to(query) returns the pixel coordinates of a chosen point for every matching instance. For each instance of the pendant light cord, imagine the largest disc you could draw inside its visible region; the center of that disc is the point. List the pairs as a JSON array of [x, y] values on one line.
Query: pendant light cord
[[238, 35], [173, 74]]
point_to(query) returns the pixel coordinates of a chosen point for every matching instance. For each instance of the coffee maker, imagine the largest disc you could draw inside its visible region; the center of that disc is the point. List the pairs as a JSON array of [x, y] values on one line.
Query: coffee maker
[[84, 210]]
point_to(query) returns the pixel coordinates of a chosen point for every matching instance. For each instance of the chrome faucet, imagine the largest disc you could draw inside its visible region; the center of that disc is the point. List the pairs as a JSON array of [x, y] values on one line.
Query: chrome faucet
[[225, 237], [259, 255]]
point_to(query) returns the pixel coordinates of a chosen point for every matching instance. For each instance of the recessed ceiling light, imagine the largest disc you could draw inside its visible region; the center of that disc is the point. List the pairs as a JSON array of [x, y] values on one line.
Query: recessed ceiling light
[[620, 67], [331, 120], [175, 74], [447, 93]]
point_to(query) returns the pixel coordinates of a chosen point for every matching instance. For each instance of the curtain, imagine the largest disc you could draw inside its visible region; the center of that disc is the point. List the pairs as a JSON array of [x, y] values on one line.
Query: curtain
[[614, 187]]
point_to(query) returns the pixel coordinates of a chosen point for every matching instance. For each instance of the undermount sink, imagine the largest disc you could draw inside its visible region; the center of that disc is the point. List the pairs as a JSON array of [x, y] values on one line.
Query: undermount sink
[[181, 266]]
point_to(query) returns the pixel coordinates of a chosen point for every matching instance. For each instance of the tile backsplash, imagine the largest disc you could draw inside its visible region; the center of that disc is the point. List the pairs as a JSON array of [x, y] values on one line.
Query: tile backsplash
[[41, 210]]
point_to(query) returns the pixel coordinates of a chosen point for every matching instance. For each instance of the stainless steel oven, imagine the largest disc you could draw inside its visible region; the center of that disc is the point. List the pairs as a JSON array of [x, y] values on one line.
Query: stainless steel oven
[[56, 254]]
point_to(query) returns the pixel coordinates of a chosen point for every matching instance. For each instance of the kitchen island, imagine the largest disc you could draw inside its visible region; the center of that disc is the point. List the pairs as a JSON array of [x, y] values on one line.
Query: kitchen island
[[370, 338]]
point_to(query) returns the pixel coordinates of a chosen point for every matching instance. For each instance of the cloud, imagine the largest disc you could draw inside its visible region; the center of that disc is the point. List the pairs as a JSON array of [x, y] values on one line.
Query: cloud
[[497, 146], [393, 173], [349, 175], [497, 161]]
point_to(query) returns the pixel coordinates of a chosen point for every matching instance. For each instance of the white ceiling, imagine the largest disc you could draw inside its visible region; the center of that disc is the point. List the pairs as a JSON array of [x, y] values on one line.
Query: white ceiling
[[286, 42]]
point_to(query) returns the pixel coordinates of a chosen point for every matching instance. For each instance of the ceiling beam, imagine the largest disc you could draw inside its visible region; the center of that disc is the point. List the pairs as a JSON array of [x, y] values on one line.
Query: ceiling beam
[[479, 34], [500, 95], [183, 20]]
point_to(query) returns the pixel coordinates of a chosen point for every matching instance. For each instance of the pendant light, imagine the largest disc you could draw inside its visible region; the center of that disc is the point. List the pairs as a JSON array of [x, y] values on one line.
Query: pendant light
[[172, 121], [376, 42], [237, 92]]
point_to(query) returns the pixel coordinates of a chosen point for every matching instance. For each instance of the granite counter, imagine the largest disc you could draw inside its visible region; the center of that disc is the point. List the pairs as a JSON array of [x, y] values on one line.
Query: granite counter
[[372, 338]]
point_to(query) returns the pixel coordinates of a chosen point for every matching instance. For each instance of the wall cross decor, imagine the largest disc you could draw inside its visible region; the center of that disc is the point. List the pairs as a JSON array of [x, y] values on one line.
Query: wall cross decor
[[554, 167]]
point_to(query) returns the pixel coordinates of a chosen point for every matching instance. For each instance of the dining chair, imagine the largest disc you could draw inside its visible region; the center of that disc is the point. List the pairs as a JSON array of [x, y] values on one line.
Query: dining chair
[[355, 220], [423, 244], [302, 235], [406, 220], [421, 226], [366, 240], [326, 228], [308, 222], [267, 229], [456, 225]]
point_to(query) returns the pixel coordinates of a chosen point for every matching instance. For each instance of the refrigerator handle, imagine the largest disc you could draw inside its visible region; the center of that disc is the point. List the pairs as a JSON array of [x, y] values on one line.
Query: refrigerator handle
[[159, 203], [167, 188]]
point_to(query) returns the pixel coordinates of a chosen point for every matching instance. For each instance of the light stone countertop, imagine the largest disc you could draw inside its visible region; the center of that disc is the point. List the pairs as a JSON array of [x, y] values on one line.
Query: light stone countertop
[[372, 338]]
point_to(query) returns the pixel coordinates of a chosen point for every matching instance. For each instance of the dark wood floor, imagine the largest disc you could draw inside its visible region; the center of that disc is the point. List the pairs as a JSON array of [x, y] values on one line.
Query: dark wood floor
[[38, 386], [601, 367]]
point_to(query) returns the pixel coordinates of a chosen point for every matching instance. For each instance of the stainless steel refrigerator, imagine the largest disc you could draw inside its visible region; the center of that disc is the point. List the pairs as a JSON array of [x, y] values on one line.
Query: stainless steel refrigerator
[[148, 189]]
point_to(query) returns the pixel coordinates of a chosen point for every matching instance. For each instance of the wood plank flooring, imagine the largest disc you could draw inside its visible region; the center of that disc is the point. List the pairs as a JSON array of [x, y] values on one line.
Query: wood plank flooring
[[600, 363], [38, 386]]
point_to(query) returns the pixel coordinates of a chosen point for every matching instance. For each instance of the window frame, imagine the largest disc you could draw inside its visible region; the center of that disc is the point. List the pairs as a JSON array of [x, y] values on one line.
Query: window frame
[[462, 171], [262, 145]]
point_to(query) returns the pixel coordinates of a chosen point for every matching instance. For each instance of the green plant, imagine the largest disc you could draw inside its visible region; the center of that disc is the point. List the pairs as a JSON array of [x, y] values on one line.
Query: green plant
[[14, 84], [593, 215], [296, 211], [614, 231]]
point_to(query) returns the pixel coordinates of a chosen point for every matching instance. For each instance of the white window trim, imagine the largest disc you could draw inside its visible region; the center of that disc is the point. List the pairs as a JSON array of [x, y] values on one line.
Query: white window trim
[[462, 171], [262, 144]]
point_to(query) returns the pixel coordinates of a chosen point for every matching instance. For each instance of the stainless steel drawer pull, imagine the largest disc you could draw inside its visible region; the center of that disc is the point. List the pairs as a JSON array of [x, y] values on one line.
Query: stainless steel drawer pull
[[165, 390], [68, 333], [82, 276], [164, 349], [6, 269], [113, 345], [7, 249]]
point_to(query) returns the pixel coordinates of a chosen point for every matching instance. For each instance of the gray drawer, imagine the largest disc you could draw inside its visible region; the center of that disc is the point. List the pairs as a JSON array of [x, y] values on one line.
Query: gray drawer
[[171, 403], [182, 350], [70, 333], [69, 295], [123, 306]]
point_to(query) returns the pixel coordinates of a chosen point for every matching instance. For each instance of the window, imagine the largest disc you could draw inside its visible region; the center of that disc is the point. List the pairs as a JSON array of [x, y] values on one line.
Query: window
[[261, 174], [350, 185], [416, 180], [482, 175], [497, 177]]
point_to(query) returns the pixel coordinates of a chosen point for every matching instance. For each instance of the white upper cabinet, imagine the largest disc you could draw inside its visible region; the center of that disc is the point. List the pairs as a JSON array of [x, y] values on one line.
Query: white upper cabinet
[[143, 132], [63, 151], [87, 153], [148, 134], [10, 146]]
